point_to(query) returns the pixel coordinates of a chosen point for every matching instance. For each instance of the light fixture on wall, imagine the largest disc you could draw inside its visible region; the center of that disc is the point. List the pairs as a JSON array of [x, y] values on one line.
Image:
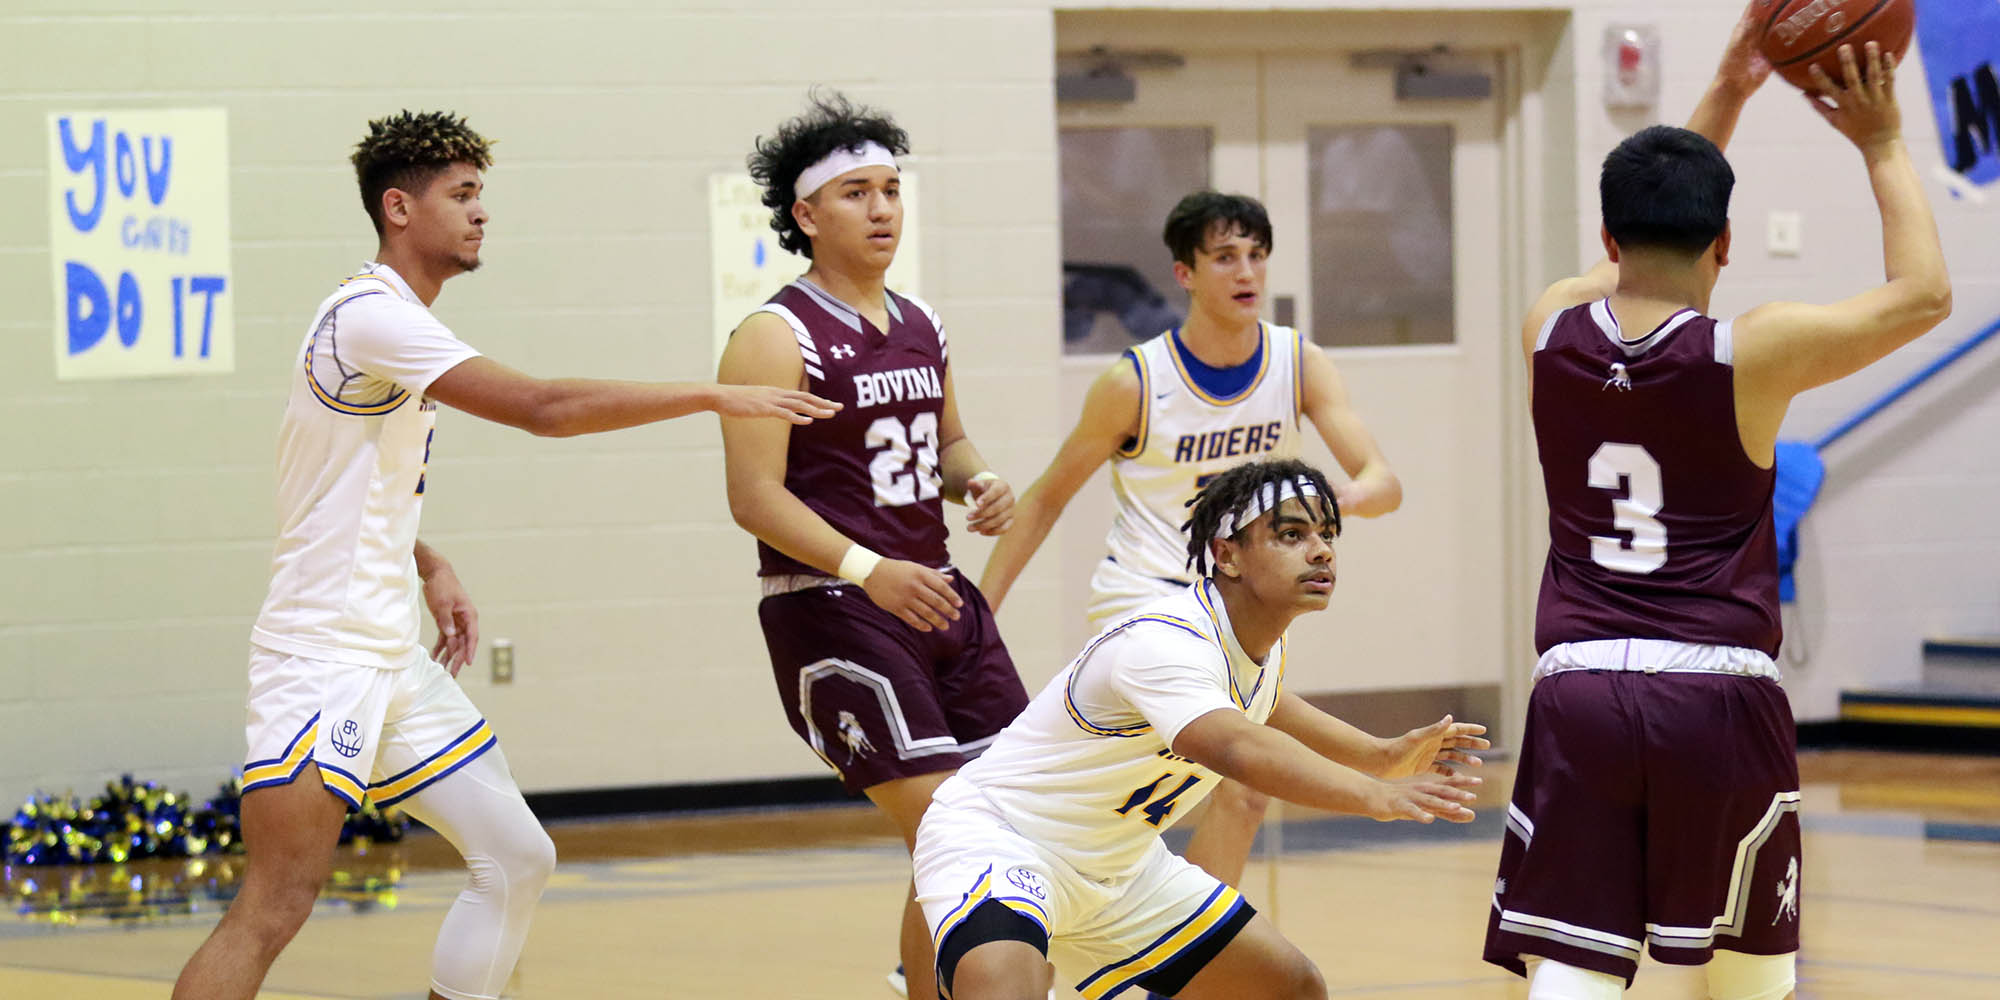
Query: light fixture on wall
[[1102, 74], [1631, 66]]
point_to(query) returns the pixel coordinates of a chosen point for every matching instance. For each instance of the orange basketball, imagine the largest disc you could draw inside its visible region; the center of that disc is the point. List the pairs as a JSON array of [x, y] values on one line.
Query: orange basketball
[[1799, 33]]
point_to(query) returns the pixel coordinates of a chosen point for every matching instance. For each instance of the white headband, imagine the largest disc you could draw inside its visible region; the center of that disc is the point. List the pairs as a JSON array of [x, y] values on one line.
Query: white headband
[[840, 161], [1266, 499]]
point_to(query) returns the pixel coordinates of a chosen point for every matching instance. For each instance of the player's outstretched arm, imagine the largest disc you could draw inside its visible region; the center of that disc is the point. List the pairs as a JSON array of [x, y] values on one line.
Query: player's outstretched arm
[[1741, 72], [1785, 348], [1372, 488], [1435, 747], [565, 407], [1110, 417], [763, 353], [1274, 763]]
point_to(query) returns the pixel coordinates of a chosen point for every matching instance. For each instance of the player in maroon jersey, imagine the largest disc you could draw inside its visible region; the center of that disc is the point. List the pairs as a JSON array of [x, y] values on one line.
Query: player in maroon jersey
[[1656, 799], [887, 659]]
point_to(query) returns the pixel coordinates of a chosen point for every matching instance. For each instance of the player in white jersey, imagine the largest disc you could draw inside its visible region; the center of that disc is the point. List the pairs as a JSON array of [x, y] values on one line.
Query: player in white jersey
[[344, 700], [1047, 846], [1173, 412]]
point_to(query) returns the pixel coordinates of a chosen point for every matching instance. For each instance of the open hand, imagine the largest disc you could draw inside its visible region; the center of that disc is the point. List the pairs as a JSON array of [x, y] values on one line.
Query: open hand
[[1425, 798], [1862, 108], [1434, 748]]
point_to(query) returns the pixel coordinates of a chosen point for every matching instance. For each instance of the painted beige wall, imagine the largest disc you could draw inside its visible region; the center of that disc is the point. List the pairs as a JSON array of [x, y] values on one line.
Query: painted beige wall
[[135, 517]]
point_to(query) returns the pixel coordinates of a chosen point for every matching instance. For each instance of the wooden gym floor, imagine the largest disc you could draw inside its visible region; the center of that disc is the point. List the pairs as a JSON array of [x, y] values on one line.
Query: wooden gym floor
[[1901, 899]]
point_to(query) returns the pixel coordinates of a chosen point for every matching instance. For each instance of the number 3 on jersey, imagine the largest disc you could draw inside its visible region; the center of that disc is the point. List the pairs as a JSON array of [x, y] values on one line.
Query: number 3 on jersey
[[1633, 470], [895, 487]]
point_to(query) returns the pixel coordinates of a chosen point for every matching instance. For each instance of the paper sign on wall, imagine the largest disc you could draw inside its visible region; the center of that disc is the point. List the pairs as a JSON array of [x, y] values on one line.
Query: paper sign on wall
[[1960, 40], [139, 243], [749, 267]]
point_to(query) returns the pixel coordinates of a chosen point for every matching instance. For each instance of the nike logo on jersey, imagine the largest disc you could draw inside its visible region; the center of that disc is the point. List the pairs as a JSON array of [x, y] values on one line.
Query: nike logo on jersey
[[877, 388], [1251, 439]]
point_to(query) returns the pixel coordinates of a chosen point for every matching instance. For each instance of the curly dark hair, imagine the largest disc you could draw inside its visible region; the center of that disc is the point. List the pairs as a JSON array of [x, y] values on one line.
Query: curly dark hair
[[1232, 490], [408, 150], [1202, 212], [833, 122]]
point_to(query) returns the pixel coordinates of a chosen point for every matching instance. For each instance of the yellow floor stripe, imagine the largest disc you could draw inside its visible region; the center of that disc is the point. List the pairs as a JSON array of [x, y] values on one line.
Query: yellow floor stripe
[[1924, 715]]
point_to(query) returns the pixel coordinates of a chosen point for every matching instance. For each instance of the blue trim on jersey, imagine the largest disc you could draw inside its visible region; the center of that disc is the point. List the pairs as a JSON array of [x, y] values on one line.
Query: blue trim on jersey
[[1069, 689], [394, 400], [1138, 441], [1235, 693], [1220, 386]]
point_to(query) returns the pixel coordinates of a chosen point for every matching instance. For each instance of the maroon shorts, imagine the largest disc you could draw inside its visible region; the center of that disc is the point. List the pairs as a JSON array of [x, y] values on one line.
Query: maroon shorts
[[1650, 808], [879, 700]]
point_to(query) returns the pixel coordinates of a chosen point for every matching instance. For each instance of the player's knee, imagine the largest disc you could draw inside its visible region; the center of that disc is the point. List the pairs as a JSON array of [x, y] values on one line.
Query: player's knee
[[1735, 976], [996, 972], [517, 864], [1307, 983], [1551, 980]]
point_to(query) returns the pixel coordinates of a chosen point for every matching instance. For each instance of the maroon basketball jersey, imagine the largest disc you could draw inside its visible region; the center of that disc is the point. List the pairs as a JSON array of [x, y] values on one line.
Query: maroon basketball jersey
[[872, 469], [1660, 526]]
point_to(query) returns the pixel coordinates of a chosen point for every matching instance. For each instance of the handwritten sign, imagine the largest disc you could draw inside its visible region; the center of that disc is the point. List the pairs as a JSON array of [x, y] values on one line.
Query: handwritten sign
[[139, 240], [749, 266], [1960, 40]]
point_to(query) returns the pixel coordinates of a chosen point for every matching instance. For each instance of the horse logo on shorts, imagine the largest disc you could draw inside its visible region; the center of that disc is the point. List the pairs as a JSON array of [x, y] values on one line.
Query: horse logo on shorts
[[347, 739], [1788, 893], [854, 736]]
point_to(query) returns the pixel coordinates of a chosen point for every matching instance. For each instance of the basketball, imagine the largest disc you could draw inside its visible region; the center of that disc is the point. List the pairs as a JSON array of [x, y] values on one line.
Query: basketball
[[1800, 33]]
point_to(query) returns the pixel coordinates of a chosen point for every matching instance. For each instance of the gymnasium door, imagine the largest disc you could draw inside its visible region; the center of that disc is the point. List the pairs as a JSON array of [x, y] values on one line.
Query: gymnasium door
[[1388, 240]]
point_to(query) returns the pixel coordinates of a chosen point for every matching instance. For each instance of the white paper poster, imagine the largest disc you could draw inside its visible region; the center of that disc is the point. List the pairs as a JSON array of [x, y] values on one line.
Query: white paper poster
[[139, 243]]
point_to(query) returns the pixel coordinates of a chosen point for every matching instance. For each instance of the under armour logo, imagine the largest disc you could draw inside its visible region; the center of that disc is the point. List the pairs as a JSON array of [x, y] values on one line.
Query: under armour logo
[[1499, 887], [1788, 893], [1620, 379], [841, 352]]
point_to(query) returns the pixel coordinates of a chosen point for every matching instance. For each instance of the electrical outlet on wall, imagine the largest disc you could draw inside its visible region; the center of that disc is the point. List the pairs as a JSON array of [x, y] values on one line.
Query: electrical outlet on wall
[[503, 661], [1784, 234]]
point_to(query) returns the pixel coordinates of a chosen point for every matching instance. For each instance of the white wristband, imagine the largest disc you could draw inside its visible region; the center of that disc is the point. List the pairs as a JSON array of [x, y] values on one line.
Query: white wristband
[[858, 563]]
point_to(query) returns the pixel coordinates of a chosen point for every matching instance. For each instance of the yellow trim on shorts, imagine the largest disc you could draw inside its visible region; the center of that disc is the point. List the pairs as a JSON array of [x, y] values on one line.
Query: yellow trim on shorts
[[965, 906], [1166, 950], [301, 748], [475, 742]]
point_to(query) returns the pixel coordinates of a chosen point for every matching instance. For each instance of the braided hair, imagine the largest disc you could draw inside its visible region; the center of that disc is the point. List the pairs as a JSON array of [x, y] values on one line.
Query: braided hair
[[1232, 491]]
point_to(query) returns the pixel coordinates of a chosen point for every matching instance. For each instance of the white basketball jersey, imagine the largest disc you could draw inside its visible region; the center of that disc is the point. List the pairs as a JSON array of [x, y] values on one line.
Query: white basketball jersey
[[1086, 770], [351, 456], [1187, 435]]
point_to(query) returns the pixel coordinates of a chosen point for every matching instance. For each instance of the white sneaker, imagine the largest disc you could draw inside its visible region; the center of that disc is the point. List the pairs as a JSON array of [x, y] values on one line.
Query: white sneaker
[[898, 982]]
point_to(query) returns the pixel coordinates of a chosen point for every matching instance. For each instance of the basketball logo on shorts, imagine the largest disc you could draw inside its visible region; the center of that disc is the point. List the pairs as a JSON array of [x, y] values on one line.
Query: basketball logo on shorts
[[347, 739], [1788, 893], [1029, 881], [854, 736]]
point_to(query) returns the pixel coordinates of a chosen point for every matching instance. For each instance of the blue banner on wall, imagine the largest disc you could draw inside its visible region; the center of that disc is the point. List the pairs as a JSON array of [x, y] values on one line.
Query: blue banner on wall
[[1961, 47]]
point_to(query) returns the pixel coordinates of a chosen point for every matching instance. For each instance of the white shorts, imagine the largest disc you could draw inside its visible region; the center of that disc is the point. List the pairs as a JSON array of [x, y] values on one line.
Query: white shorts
[[388, 732], [1117, 590], [1105, 935]]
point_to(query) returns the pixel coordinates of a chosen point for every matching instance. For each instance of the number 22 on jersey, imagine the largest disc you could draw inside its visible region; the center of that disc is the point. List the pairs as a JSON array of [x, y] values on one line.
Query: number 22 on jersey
[[1631, 470], [897, 484]]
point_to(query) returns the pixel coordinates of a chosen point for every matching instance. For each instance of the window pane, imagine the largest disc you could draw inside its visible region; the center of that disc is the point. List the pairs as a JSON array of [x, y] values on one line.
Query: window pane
[[1117, 187], [1381, 234]]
